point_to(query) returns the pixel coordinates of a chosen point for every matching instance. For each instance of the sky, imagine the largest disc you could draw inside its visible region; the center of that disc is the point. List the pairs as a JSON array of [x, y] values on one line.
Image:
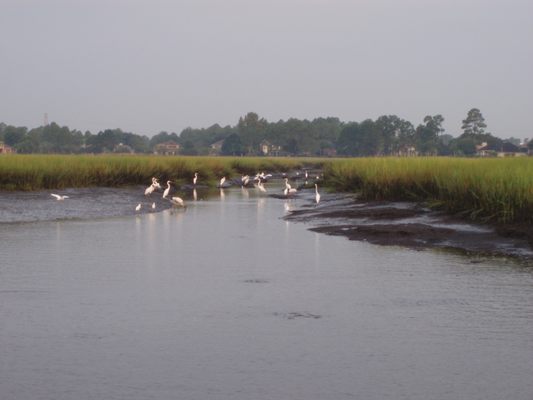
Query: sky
[[164, 65]]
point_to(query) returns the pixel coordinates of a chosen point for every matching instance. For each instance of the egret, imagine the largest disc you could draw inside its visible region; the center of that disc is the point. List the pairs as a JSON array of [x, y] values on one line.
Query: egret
[[177, 201], [167, 190], [261, 187], [195, 179], [221, 183], [58, 196], [138, 208], [149, 190], [244, 180], [317, 195], [155, 183], [153, 206]]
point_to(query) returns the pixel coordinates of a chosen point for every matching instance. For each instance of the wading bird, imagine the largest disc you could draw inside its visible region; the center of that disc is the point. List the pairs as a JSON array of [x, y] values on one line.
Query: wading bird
[[155, 183], [58, 196], [153, 205], [138, 208], [177, 201], [317, 195], [149, 190], [260, 186], [195, 179], [167, 190]]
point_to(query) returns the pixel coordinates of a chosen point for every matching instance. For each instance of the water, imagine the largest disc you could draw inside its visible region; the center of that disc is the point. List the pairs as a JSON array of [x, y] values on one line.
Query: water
[[225, 300]]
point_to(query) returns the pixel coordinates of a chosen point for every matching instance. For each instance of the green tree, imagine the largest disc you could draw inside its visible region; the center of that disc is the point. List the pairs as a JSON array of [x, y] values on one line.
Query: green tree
[[427, 134], [14, 135], [188, 149], [474, 124], [232, 146], [251, 130], [360, 139]]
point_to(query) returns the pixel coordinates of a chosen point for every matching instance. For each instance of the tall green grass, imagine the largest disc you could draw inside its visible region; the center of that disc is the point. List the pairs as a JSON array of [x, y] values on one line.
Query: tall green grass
[[33, 172], [481, 189]]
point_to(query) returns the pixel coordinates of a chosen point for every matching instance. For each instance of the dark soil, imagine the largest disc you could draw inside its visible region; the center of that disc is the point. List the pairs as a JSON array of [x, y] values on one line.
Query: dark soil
[[414, 226]]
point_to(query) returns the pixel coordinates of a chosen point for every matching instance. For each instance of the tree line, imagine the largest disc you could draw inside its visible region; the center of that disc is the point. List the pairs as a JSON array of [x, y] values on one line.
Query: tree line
[[252, 135]]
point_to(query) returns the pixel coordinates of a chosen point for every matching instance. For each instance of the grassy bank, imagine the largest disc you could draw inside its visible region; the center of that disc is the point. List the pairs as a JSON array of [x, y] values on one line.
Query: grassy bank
[[482, 189], [33, 172]]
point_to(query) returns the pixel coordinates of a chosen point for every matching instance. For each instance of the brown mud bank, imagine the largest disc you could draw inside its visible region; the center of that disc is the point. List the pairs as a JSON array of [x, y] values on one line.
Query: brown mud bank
[[414, 226]]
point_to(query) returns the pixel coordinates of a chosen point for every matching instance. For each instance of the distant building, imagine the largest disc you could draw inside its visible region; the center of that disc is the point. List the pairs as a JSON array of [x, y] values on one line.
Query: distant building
[[407, 151], [506, 149], [266, 148], [123, 149], [170, 148], [329, 152], [5, 149], [216, 147]]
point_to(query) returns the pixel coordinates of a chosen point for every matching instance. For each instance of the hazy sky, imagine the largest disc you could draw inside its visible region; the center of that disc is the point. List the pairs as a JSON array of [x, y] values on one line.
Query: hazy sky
[[148, 66]]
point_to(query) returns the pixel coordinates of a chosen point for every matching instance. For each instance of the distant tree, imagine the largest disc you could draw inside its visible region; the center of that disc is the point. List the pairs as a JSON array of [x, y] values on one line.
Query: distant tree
[[232, 146], [474, 124], [14, 135], [360, 139], [427, 134], [464, 146], [2, 127], [188, 149], [251, 130]]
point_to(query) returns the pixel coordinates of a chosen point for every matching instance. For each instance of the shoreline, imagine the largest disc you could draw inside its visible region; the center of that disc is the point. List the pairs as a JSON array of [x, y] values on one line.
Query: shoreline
[[414, 226]]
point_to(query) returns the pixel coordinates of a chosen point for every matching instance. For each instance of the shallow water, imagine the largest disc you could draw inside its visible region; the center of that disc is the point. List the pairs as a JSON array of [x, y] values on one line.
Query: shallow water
[[225, 300]]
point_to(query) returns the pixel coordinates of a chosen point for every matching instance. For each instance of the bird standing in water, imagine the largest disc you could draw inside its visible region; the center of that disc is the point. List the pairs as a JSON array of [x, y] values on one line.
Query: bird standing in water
[[177, 201], [167, 190], [317, 195]]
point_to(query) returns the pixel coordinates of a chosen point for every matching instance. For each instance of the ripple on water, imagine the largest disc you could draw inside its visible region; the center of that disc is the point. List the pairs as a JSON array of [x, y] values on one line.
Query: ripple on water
[[84, 203]]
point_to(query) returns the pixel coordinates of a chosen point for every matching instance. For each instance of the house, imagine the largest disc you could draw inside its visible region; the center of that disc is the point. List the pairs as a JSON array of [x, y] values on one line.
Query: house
[[266, 148], [505, 149], [170, 148], [5, 149], [329, 152], [216, 147], [123, 149], [407, 151]]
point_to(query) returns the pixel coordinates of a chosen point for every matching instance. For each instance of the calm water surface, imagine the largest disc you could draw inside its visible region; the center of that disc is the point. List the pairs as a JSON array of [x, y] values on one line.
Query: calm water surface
[[225, 300]]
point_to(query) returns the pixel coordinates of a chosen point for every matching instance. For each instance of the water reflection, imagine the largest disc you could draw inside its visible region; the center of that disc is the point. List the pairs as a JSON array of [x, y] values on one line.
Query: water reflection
[[227, 292]]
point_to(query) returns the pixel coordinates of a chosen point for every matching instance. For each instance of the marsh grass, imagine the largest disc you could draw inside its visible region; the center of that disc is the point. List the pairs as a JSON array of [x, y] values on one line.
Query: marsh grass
[[481, 189], [33, 172]]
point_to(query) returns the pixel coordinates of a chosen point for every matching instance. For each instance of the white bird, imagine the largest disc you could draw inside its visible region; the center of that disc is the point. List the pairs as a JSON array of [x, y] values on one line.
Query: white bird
[[222, 180], [177, 201], [261, 187], [195, 179], [58, 196], [149, 190], [138, 208], [167, 190], [153, 205], [317, 195], [287, 185], [244, 180], [155, 183]]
